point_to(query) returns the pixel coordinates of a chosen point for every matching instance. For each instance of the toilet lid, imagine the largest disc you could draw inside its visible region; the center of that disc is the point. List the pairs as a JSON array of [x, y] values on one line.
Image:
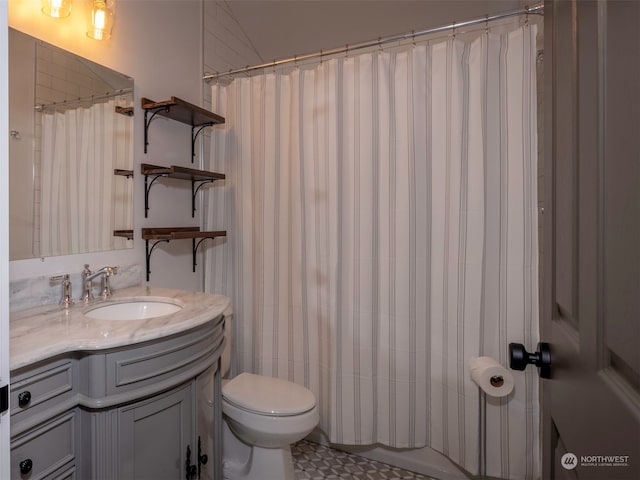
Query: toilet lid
[[266, 395]]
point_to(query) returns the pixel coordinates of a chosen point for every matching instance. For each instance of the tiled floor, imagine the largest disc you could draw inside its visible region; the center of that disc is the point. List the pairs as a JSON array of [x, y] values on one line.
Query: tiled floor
[[313, 461]]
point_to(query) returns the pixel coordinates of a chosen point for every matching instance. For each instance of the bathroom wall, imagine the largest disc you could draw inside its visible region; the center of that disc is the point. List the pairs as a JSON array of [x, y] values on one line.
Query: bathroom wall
[[160, 45]]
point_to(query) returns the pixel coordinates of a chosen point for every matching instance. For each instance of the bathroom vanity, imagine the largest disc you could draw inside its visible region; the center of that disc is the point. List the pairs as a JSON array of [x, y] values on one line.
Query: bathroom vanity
[[118, 398]]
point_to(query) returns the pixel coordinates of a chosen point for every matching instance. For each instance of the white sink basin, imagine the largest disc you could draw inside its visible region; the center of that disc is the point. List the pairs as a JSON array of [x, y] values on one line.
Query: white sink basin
[[133, 309]]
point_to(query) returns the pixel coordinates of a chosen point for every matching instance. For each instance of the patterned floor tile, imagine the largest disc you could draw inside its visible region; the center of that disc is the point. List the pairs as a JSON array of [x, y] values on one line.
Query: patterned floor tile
[[318, 462]]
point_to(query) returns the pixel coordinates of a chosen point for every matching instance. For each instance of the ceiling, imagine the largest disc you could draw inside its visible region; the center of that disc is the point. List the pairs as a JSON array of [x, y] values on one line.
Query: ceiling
[[281, 29]]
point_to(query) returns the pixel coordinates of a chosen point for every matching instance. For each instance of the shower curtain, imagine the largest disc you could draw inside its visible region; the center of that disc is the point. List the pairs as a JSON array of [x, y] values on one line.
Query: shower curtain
[[382, 230], [82, 202]]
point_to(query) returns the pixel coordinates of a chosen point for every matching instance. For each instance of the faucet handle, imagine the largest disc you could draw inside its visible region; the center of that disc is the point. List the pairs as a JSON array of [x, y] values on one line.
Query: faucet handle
[[106, 285], [87, 292], [66, 301]]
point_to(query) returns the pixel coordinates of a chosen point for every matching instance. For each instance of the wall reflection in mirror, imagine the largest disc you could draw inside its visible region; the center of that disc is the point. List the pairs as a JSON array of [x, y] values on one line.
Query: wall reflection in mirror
[[70, 152]]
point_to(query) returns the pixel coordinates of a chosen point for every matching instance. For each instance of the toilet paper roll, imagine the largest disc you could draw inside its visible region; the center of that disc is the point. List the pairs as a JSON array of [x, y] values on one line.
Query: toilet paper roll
[[490, 376]]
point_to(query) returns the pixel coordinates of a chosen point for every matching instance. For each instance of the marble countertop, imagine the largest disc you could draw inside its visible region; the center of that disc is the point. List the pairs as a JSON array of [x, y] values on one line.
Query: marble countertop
[[43, 332]]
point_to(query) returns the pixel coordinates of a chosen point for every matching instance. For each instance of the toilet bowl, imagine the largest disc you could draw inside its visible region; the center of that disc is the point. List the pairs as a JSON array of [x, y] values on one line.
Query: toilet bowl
[[262, 417]]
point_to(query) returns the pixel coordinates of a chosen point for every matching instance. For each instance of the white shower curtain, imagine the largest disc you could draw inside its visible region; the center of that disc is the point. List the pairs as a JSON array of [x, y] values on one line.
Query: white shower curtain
[[382, 230], [82, 202]]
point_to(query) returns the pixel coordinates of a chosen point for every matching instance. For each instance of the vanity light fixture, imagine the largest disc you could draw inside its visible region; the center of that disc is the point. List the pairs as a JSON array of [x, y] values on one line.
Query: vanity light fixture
[[56, 8], [102, 13]]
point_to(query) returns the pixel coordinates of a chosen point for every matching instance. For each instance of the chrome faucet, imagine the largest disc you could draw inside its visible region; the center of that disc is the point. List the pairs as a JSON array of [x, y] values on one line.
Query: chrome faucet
[[87, 282]]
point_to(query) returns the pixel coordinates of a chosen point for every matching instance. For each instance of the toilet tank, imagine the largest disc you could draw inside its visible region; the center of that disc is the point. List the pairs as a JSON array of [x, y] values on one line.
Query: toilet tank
[[225, 360]]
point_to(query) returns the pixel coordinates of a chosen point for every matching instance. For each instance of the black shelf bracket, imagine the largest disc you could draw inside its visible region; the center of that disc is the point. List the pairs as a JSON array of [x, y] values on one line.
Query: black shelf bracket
[[147, 122], [195, 250], [195, 131], [149, 252], [194, 192], [147, 189]]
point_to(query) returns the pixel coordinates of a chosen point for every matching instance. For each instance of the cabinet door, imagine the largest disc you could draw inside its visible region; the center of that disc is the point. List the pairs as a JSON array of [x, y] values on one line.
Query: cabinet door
[[154, 435], [206, 423]]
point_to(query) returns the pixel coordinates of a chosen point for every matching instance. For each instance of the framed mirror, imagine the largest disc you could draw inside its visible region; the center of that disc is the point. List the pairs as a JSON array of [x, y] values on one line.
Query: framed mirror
[[70, 152]]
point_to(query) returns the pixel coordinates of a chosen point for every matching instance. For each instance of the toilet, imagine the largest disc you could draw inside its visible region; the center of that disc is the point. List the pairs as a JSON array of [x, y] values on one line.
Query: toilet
[[262, 417]]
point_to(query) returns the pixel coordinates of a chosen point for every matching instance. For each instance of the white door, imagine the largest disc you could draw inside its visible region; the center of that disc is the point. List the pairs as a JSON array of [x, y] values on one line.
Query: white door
[[591, 269], [4, 234]]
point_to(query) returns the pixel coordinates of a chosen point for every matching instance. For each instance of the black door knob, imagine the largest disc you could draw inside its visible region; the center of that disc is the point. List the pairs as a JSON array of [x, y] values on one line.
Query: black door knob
[[519, 358], [25, 466], [24, 398]]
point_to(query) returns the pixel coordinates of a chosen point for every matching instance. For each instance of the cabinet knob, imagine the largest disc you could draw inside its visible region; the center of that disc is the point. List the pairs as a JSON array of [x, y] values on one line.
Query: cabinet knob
[[24, 398], [25, 466]]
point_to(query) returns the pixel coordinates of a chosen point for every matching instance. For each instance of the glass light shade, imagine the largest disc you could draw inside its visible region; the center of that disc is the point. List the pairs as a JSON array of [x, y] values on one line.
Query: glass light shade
[[101, 22], [56, 8]]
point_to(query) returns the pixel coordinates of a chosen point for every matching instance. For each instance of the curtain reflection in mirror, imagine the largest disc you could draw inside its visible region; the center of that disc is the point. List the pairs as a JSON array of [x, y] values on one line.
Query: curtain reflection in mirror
[[81, 199]]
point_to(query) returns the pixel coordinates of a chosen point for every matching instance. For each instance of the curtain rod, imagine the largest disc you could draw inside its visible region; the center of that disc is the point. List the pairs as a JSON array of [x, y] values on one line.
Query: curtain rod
[[123, 91], [537, 9]]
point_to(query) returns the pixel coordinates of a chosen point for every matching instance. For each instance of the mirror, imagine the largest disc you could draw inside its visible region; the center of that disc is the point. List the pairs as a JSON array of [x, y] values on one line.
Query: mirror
[[70, 152]]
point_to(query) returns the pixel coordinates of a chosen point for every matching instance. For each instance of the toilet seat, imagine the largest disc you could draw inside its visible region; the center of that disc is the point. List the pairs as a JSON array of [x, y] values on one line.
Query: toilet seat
[[268, 396]]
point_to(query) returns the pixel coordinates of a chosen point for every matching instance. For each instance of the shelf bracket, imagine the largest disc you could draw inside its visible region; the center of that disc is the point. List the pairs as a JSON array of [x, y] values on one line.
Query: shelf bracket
[[148, 122], [147, 189], [194, 192], [149, 252], [194, 135], [195, 250]]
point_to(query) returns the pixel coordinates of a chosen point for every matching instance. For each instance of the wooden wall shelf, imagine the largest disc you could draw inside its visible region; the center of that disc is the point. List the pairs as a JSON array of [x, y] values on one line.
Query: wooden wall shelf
[[128, 234], [128, 111], [166, 234], [198, 178], [123, 173], [180, 111]]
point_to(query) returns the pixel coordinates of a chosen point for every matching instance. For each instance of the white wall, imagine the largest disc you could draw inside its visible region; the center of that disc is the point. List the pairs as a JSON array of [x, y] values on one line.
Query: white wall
[[158, 43]]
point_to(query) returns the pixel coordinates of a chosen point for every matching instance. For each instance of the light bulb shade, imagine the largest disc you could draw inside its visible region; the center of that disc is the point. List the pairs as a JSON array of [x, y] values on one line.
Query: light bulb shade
[[101, 21], [56, 8]]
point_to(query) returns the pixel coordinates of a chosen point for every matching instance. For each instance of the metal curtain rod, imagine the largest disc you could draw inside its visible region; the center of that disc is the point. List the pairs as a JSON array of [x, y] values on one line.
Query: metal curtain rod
[[537, 9], [92, 98]]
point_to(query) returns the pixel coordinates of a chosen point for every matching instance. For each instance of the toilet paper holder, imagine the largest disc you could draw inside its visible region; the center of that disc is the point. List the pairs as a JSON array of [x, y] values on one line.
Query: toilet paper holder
[[519, 358], [496, 381]]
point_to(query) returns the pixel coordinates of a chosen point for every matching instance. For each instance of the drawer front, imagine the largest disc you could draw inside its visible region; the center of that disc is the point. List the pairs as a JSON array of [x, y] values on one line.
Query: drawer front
[[66, 474], [40, 452], [38, 389], [143, 366]]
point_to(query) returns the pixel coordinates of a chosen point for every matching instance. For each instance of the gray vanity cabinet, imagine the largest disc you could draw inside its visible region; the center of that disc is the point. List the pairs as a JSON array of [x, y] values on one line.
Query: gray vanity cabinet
[[144, 411]]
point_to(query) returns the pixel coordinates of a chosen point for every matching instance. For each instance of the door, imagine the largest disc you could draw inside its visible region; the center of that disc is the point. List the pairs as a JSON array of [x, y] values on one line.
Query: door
[[591, 260], [4, 238]]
